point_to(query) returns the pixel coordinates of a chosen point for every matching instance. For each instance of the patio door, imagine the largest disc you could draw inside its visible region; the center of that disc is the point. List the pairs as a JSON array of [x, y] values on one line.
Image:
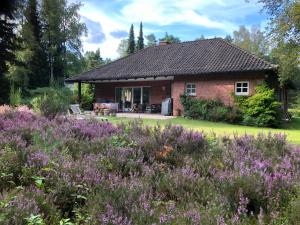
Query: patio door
[[127, 99], [137, 96], [131, 97]]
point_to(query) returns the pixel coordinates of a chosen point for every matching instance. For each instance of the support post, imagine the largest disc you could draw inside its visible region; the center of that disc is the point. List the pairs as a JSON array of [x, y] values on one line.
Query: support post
[[79, 92]]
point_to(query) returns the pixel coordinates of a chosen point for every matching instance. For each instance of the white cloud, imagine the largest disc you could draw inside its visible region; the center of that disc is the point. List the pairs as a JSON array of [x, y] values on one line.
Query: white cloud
[[165, 12], [109, 46], [208, 14]]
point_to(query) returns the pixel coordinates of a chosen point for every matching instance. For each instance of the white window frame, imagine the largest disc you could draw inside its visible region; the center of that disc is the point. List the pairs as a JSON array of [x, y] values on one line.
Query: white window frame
[[242, 93], [191, 88]]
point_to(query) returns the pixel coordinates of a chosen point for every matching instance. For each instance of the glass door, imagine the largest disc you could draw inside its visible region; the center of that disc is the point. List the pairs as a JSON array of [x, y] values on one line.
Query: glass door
[[146, 96], [127, 99]]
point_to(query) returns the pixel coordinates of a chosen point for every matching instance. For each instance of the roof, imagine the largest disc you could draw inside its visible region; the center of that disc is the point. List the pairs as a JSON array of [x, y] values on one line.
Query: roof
[[200, 57]]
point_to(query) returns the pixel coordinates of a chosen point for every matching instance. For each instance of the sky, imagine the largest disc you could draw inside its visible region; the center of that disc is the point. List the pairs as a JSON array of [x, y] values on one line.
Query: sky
[[108, 21]]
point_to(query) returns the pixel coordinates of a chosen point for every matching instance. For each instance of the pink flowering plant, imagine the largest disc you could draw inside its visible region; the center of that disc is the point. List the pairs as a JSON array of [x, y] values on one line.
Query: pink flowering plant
[[62, 170]]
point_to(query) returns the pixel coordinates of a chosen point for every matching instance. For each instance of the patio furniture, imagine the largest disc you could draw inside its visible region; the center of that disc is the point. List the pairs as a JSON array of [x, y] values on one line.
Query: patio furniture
[[76, 111]]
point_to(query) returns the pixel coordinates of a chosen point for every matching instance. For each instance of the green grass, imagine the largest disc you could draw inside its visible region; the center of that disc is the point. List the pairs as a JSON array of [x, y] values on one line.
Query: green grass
[[291, 129]]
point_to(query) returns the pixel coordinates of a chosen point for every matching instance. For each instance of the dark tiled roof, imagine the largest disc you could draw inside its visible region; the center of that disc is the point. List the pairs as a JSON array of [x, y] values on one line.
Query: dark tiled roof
[[201, 57]]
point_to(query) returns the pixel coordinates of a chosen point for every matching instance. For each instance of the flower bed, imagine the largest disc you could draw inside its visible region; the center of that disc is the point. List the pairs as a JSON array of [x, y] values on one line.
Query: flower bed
[[85, 172]]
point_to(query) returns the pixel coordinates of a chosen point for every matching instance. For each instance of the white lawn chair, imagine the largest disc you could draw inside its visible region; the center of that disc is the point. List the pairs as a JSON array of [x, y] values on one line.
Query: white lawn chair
[[76, 111]]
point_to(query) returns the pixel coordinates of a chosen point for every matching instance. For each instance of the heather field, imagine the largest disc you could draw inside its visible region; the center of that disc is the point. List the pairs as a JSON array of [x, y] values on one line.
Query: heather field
[[66, 171]]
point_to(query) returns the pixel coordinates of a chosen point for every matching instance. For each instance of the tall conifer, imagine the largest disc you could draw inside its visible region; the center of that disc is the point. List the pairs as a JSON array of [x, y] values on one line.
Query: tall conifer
[[140, 42], [131, 41]]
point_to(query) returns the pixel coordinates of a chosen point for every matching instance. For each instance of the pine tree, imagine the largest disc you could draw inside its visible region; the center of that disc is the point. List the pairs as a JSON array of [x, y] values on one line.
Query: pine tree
[[31, 33], [7, 45], [140, 42], [131, 41]]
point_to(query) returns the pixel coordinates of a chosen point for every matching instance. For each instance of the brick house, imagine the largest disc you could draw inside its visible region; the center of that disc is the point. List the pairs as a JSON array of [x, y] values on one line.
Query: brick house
[[210, 69]]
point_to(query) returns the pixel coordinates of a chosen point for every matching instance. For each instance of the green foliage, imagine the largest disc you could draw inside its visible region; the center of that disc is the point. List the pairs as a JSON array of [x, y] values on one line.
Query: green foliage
[[169, 38], [62, 35], [286, 55], [51, 101], [151, 40], [252, 40], [7, 26], [87, 96], [15, 98], [262, 109], [35, 220], [212, 110], [131, 41], [140, 41], [93, 59], [35, 61], [122, 48], [285, 18]]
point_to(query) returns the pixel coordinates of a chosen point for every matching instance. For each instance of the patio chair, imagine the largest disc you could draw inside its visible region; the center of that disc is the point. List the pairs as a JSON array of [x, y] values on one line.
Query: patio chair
[[76, 111]]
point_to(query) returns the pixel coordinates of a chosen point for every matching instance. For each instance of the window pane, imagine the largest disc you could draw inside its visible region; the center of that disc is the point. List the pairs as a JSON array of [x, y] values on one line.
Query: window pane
[[245, 84], [146, 95], [239, 84], [188, 86], [238, 90], [245, 89], [119, 95]]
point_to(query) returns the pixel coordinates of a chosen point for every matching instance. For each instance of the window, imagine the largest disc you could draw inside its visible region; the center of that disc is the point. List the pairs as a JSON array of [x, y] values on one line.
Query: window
[[242, 88], [190, 89]]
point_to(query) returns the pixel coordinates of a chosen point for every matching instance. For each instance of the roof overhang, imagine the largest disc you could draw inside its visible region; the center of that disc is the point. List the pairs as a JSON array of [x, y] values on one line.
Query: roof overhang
[[154, 78]]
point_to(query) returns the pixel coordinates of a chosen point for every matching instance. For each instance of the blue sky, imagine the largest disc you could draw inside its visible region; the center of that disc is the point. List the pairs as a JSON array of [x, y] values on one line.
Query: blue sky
[[108, 21]]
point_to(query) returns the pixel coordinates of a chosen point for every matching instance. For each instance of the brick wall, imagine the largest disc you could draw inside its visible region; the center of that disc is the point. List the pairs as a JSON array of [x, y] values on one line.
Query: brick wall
[[159, 89], [213, 88]]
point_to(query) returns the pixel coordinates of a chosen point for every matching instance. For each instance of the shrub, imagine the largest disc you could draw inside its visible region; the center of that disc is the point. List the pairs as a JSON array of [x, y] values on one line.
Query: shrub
[[51, 101], [212, 110], [262, 109], [15, 96], [87, 96], [65, 171]]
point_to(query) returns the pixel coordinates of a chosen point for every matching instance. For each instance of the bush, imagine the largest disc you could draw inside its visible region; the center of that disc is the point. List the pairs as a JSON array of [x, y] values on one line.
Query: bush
[[67, 171], [51, 101], [212, 110], [15, 96], [87, 96], [262, 109]]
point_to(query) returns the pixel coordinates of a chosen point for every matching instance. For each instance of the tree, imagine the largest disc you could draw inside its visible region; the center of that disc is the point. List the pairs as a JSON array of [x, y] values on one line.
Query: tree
[[131, 41], [123, 47], [169, 38], [36, 60], [61, 36], [228, 38], [151, 40], [252, 40], [140, 41], [284, 31], [286, 55], [7, 43], [284, 18], [93, 59], [201, 38]]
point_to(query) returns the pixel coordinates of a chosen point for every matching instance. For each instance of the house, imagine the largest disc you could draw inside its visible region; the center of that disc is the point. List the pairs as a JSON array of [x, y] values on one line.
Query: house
[[210, 69]]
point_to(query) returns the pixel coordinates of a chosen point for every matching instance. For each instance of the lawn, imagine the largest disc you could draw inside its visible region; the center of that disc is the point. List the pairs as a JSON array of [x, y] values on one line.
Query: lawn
[[292, 129]]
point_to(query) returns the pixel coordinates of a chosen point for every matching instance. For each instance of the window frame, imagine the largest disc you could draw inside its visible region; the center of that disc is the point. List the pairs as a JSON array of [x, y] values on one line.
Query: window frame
[[194, 93], [242, 93]]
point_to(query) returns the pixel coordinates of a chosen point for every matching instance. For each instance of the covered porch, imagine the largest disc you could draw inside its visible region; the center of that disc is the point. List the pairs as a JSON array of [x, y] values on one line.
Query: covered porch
[[144, 95]]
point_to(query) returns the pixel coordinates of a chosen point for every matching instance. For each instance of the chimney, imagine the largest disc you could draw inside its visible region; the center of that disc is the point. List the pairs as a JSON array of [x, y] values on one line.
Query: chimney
[[163, 42]]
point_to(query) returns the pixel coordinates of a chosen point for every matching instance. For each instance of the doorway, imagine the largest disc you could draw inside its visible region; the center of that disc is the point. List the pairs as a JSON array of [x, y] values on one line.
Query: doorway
[[132, 97]]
